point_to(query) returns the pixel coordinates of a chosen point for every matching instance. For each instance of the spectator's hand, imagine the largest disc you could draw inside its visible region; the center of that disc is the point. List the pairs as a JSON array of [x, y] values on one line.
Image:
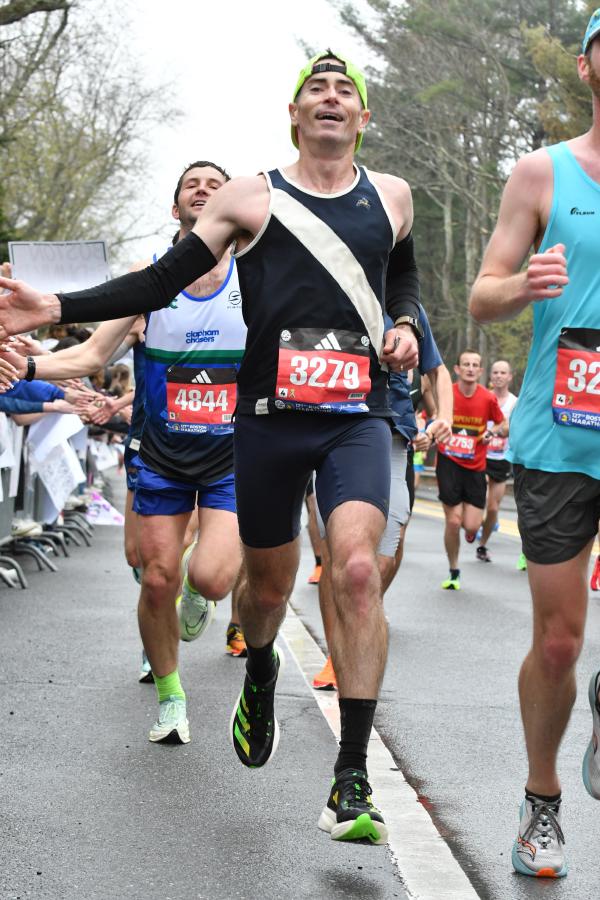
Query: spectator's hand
[[6, 270], [80, 397], [22, 308], [400, 349], [27, 345], [101, 410], [11, 370], [62, 406]]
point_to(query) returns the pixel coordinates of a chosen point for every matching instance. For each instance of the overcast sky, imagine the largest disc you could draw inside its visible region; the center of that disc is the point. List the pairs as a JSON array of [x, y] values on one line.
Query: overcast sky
[[234, 65]]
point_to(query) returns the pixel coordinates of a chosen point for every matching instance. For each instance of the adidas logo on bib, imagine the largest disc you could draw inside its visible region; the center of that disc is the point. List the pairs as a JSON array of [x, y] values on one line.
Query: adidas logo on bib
[[201, 378], [329, 342]]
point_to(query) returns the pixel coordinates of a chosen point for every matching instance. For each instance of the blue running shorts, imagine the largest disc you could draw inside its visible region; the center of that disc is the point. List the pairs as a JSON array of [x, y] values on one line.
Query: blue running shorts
[[130, 468], [156, 495]]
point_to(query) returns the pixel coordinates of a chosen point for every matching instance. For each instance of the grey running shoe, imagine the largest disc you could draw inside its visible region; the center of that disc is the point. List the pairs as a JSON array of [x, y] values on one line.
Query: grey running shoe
[[591, 760], [194, 611], [538, 849], [172, 723]]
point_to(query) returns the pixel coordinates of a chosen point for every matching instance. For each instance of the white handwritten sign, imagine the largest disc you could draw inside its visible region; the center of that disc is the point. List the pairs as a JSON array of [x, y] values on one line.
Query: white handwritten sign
[[56, 266], [60, 473]]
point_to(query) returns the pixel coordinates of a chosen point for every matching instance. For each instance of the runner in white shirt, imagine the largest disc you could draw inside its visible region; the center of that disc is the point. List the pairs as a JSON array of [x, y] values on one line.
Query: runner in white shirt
[[498, 468]]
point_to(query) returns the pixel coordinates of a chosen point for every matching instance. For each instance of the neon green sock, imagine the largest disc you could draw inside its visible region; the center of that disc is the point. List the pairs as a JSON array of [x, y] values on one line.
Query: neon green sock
[[189, 585], [169, 686]]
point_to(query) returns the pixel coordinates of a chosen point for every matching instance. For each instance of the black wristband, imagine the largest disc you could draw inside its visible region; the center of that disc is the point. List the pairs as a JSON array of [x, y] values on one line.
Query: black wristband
[[30, 373], [139, 292]]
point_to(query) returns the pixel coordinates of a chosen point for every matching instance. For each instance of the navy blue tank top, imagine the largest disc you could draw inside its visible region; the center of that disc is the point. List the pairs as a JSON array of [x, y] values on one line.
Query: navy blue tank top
[[313, 283]]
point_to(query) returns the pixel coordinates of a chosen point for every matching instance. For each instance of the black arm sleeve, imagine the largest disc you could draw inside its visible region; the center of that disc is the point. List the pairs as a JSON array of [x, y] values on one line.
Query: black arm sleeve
[[144, 291], [402, 282]]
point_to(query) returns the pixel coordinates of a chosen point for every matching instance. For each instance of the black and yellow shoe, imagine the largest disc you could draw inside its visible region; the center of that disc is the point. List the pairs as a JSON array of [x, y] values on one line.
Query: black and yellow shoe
[[349, 814], [253, 727]]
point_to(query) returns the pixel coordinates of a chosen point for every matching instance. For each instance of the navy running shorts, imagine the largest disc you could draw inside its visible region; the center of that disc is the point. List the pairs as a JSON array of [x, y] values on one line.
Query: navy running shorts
[[400, 509], [275, 456], [559, 513]]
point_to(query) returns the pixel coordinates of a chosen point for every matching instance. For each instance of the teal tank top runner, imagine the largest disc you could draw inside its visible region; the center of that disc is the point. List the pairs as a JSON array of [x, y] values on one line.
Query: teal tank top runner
[[556, 423]]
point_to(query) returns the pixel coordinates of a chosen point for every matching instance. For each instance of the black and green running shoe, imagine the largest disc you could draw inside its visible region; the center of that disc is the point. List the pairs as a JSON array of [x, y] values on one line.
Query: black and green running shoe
[[349, 814], [254, 728]]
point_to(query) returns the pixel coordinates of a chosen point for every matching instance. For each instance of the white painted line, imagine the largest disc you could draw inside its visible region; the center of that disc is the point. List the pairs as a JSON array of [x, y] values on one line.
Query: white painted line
[[427, 867]]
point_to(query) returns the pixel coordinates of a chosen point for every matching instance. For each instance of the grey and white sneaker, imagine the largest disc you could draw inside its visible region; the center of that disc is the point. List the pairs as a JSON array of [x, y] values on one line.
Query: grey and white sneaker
[[145, 676], [172, 723], [194, 611], [538, 849], [590, 769]]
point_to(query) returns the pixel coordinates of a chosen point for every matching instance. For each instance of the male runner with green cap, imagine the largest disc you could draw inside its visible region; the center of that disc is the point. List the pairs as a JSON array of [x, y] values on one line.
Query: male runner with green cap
[[322, 247]]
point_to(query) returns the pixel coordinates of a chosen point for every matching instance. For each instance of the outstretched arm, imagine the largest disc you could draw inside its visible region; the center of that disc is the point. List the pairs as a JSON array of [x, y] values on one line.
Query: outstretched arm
[[23, 308], [74, 362]]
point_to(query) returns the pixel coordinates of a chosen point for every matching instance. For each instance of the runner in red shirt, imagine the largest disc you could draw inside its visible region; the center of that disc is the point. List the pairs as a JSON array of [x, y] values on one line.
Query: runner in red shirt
[[461, 463]]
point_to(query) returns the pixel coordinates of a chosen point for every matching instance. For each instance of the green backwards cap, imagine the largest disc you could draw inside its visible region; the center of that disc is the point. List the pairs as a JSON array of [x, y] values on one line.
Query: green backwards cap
[[346, 68]]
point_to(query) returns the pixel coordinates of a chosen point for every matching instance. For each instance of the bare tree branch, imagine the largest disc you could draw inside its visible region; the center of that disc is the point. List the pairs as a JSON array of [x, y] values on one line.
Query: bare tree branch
[[17, 10]]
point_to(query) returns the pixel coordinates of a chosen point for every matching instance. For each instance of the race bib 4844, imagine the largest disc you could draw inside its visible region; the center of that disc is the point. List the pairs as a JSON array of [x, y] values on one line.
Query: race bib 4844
[[200, 400]]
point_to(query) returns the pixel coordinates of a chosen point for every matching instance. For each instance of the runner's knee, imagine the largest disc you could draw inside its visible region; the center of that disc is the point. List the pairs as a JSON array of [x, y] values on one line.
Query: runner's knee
[[558, 653], [356, 575], [159, 583]]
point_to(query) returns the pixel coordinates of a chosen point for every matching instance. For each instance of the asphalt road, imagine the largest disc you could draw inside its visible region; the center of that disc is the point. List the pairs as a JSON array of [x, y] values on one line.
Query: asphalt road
[[449, 710], [90, 809]]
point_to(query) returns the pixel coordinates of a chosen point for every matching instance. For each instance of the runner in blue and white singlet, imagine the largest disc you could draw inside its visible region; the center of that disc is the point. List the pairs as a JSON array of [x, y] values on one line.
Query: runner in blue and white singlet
[[193, 349]]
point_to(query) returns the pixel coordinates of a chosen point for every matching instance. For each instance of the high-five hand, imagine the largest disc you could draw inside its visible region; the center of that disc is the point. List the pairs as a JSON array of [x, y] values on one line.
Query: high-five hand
[[23, 308]]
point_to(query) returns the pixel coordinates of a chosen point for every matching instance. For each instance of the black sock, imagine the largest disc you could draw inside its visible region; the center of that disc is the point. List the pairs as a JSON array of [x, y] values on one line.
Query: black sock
[[552, 801], [317, 560], [261, 663], [356, 717], [454, 573]]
